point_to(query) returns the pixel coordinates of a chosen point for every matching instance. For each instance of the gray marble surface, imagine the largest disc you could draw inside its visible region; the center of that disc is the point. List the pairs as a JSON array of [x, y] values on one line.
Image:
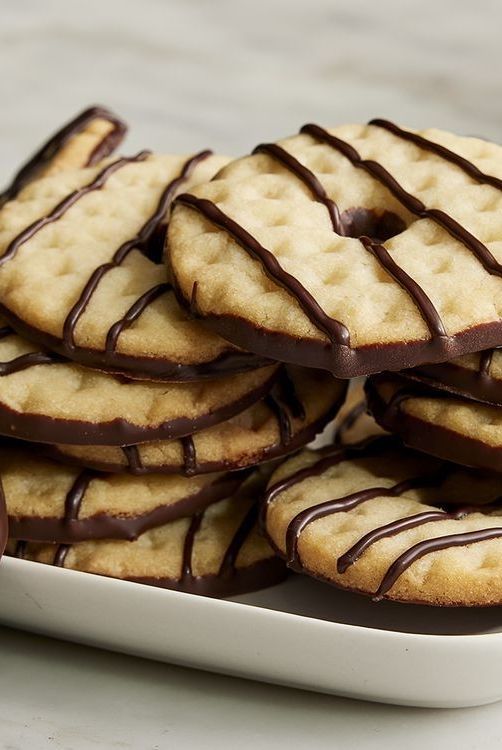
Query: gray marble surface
[[196, 73]]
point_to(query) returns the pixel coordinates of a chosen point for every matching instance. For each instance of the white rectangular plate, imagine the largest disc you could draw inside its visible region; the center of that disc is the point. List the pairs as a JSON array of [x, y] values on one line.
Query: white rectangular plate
[[302, 634]]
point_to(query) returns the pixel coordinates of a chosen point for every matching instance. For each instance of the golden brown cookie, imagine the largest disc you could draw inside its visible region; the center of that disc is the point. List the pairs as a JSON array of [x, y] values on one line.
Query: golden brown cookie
[[50, 502], [467, 432], [47, 399], [79, 271], [218, 552], [82, 142], [355, 249], [381, 520], [299, 404], [474, 376]]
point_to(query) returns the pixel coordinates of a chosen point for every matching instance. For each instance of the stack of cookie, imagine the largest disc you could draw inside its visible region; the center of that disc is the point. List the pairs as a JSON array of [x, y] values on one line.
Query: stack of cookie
[[130, 432], [148, 376], [358, 250]]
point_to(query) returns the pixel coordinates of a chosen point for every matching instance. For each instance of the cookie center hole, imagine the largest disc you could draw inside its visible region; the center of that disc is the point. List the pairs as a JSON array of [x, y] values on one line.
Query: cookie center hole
[[365, 222]]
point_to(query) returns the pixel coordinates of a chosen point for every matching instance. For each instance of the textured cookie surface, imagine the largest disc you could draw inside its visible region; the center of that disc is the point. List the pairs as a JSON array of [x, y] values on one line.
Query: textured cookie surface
[[85, 140], [219, 551], [475, 376], [354, 249], [45, 399], [387, 522], [299, 404], [49, 502], [466, 432], [75, 273]]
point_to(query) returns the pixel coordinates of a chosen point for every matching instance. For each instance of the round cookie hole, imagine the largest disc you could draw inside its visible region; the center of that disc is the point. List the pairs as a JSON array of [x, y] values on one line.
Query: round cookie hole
[[366, 222]]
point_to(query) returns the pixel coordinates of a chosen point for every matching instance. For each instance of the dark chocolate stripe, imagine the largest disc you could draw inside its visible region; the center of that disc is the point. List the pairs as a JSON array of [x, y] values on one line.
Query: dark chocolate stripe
[[133, 458], [20, 549], [485, 362], [417, 294], [390, 529], [25, 361], [133, 314], [48, 151], [67, 203], [289, 396], [341, 505], [414, 290], [411, 202], [426, 547], [61, 554], [335, 330], [282, 416], [442, 151], [189, 455], [228, 564], [307, 177], [76, 494], [138, 242], [186, 563]]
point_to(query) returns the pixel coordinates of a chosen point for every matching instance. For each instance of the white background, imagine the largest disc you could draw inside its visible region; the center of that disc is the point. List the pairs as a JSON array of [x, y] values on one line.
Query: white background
[[229, 74]]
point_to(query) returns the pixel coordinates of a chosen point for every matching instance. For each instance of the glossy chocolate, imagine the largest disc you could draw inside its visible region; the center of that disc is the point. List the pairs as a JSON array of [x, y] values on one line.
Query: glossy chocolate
[[337, 355], [426, 437], [43, 157], [373, 447], [71, 528]]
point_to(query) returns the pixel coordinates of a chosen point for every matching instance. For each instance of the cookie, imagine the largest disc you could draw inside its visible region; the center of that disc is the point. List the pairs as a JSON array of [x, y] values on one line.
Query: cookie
[[355, 249], [76, 276], [353, 423], [49, 502], [381, 520], [474, 376], [218, 552], [298, 406], [82, 142], [432, 421], [50, 400]]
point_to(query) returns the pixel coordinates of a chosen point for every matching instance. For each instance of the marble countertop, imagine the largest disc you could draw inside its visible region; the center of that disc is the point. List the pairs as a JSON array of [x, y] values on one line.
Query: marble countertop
[[189, 74]]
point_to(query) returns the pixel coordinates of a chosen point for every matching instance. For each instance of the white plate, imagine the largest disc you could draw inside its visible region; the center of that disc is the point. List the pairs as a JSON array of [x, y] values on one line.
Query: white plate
[[302, 634]]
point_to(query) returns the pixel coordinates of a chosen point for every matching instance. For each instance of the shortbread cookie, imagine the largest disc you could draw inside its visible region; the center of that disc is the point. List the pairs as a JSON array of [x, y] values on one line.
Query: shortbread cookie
[[75, 275], [381, 520], [298, 406], [49, 502], [475, 376], [356, 249], [46, 399], [84, 141], [218, 552], [466, 432]]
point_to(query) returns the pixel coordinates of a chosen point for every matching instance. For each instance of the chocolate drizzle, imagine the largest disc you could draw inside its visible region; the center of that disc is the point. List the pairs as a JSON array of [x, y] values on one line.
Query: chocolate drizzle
[[42, 158], [133, 314], [367, 449], [335, 330], [72, 528], [411, 202], [133, 458], [139, 242], [348, 421], [189, 455], [97, 183]]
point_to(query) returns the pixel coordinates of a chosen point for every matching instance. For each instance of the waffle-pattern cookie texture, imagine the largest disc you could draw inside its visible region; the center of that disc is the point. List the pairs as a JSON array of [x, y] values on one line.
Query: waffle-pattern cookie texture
[[83, 141], [381, 520], [467, 432], [76, 276], [47, 399], [299, 404], [355, 249], [50, 502], [474, 376], [218, 552]]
